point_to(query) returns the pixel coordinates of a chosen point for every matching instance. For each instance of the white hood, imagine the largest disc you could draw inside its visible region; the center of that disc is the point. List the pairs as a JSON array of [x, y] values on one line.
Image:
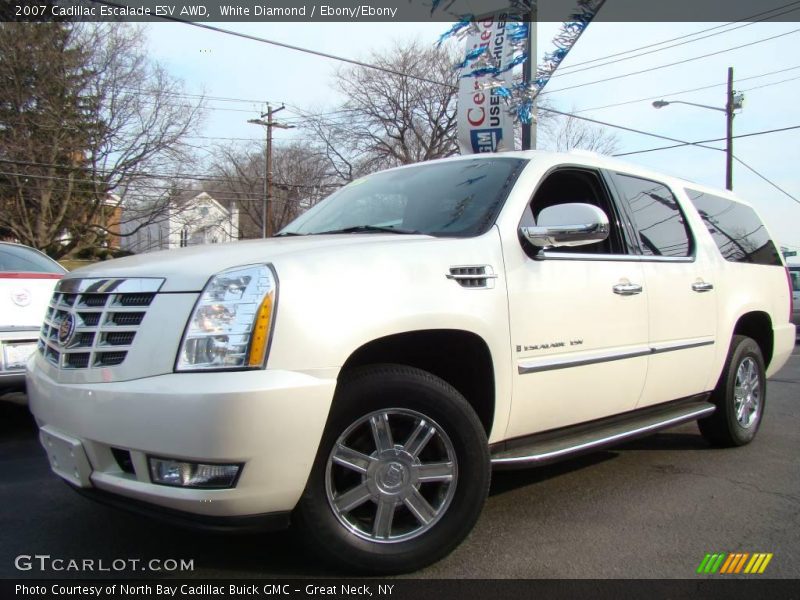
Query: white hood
[[189, 269]]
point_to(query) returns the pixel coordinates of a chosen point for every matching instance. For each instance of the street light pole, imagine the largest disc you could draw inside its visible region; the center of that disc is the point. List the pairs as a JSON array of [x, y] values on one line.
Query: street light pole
[[266, 207], [733, 101]]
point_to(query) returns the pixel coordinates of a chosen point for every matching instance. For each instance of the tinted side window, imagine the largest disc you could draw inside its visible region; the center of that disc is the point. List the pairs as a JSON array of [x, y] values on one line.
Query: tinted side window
[[738, 232], [659, 222]]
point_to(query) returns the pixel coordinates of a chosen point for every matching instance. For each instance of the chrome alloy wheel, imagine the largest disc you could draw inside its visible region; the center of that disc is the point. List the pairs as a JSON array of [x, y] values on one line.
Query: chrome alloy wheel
[[747, 393], [391, 475]]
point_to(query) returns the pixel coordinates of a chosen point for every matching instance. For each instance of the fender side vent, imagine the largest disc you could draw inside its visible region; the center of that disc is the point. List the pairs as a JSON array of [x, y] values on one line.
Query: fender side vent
[[473, 276]]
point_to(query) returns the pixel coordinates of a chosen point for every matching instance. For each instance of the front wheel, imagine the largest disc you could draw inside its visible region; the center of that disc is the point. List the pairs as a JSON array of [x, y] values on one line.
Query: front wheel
[[401, 474], [739, 396]]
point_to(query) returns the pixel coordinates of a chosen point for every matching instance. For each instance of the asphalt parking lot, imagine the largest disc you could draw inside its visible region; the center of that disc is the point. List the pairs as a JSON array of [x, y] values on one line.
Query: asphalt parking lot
[[649, 509]]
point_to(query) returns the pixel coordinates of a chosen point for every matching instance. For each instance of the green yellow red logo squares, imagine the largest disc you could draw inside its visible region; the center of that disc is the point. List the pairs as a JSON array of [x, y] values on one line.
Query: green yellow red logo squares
[[734, 563]]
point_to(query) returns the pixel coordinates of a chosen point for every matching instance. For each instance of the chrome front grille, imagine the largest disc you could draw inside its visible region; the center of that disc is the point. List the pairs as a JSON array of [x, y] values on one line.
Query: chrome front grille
[[93, 322]]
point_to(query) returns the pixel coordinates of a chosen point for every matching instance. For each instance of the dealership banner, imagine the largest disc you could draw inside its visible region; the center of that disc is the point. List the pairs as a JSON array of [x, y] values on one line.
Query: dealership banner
[[483, 123]]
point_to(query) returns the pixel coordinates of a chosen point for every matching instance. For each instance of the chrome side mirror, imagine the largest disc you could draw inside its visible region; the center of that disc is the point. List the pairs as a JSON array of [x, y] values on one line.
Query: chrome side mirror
[[568, 225]]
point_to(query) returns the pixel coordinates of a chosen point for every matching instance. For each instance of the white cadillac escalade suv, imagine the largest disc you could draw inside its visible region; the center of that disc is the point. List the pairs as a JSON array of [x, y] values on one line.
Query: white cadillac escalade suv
[[364, 371]]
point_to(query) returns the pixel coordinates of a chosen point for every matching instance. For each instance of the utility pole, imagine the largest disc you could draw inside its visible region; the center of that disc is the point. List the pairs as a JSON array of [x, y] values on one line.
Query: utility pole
[[733, 102], [729, 106], [266, 208]]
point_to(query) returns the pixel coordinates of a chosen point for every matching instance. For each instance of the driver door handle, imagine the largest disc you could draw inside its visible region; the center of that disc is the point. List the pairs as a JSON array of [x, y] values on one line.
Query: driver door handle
[[702, 286], [627, 289]]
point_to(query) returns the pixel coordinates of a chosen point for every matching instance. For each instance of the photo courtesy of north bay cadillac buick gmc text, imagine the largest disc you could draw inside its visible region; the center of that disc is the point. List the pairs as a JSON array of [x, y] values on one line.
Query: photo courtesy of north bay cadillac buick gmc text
[[361, 374]]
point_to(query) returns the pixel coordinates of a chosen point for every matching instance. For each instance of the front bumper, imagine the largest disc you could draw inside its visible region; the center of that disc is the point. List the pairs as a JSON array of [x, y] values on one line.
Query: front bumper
[[236, 524], [271, 421]]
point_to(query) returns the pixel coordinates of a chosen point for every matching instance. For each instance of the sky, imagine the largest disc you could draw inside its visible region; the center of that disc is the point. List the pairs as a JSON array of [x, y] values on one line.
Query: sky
[[224, 66]]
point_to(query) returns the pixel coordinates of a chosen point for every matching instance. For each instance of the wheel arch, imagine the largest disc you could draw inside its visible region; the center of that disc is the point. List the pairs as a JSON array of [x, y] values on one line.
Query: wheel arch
[[459, 357], [757, 325]]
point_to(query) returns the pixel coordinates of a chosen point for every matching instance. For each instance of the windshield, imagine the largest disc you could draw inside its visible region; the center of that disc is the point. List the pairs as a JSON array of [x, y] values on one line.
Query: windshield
[[458, 198]]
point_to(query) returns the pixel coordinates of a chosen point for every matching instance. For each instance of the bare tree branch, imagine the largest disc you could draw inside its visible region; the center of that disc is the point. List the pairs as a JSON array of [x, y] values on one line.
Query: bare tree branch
[[301, 178], [390, 119], [84, 114], [563, 134]]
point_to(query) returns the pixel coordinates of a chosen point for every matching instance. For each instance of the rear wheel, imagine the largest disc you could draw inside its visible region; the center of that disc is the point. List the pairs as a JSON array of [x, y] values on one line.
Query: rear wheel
[[401, 475], [739, 396]]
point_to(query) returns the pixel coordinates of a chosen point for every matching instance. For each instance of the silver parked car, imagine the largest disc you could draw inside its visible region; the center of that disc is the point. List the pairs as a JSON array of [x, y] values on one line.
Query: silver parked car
[[27, 279], [794, 273]]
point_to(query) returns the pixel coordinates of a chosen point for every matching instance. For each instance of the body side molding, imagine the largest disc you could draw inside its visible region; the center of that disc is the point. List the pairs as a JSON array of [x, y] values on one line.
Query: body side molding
[[537, 365]]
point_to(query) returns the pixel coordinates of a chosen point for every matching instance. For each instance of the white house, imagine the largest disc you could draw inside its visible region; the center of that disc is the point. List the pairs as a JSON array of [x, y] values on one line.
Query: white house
[[192, 219]]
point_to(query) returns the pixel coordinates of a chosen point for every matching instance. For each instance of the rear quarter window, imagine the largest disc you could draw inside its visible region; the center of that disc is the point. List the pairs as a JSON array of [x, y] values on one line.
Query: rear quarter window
[[660, 225], [736, 228]]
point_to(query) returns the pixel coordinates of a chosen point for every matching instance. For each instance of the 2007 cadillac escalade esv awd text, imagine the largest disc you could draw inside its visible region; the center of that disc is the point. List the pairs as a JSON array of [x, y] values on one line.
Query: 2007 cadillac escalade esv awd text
[[363, 372]]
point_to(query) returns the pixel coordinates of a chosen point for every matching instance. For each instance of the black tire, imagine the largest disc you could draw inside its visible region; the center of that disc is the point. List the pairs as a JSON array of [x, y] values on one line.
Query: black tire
[[368, 402], [738, 416]]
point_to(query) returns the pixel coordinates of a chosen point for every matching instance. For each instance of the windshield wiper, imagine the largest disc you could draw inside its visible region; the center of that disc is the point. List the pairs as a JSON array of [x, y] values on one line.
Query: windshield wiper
[[283, 233], [371, 229]]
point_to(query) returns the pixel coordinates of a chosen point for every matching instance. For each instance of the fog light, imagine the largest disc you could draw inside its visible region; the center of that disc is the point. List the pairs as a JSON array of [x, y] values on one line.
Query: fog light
[[166, 471]]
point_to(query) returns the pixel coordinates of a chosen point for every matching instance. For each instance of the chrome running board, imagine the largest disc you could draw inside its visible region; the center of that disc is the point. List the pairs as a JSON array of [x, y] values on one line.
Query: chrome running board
[[551, 446]]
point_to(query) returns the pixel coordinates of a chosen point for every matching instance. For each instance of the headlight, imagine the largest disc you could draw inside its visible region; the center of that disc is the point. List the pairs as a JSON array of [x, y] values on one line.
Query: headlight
[[231, 323]]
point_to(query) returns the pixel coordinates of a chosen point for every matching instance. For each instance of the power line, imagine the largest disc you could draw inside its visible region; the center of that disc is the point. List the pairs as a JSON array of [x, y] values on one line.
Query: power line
[[367, 65], [140, 92], [302, 113], [283, 45], [191, 177], [623, 103], [242, 139], [772, 183], [680, 37], [705, 87], [299, 186], [667, 138], [743, 135], [681, 142], [672, 64], [140, 196], [402, 74], [198, 96], [198, 107], [244, 198], [758, 87], [612, 62], [615, 126], [425, 79]]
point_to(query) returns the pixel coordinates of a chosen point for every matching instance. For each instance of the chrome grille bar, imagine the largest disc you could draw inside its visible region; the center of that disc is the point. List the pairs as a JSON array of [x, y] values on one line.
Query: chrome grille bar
[[106, 315]]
